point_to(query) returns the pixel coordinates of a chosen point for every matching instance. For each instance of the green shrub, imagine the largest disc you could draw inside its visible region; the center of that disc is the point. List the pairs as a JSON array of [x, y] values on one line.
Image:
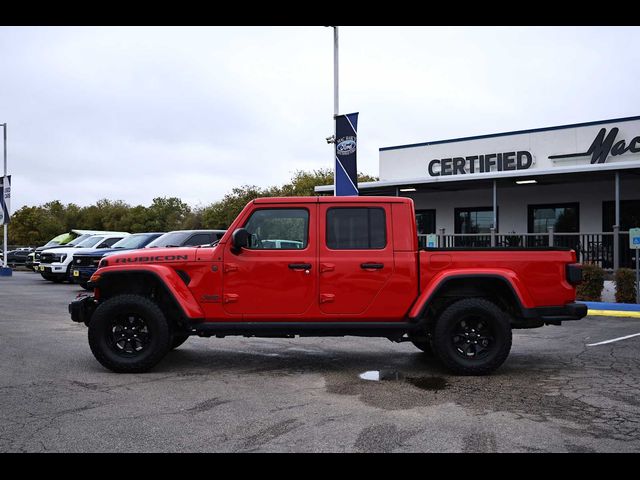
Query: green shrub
[[590, 289], [625, 280]]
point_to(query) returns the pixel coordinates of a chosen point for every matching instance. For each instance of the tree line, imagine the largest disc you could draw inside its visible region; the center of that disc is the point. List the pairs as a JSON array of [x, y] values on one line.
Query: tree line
[[36, 225]]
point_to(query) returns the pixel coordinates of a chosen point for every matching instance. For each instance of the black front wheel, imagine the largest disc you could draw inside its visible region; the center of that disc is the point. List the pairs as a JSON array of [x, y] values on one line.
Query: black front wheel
[[472, 337], [129, 334]]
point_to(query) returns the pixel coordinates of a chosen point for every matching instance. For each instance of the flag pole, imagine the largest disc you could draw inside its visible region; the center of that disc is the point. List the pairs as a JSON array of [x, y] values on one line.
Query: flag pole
[[6, 271], [335, 104]]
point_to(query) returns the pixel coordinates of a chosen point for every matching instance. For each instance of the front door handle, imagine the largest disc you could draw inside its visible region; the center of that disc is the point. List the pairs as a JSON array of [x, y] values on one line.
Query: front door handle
[[300, 266], [376, 266]]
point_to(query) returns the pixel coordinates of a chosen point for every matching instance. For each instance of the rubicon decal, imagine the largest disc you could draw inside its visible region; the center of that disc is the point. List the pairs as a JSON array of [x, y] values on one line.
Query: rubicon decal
[[157, 258], [603, 146]]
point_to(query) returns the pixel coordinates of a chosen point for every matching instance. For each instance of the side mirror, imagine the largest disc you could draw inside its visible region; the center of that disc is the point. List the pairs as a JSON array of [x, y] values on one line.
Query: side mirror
[[240, 239]]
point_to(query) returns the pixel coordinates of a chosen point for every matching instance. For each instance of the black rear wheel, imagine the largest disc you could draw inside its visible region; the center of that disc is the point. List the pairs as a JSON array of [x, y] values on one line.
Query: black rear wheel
[[129, 334], [472, 337]]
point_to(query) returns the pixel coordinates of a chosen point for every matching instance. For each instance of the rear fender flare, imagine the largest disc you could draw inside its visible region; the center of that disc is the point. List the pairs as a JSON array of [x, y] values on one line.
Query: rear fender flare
[[508, 277]]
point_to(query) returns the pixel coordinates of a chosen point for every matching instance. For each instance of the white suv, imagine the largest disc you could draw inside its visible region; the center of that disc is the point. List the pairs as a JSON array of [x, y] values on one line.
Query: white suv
[[55, 264]]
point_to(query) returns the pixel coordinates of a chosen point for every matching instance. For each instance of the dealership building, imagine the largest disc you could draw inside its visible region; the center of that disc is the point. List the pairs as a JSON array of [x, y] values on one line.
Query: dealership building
[[570, 185]]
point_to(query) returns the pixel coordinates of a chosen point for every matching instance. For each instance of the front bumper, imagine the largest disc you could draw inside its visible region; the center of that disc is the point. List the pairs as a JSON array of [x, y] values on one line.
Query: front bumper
[[82, 274], [52, 268], [81, 309]]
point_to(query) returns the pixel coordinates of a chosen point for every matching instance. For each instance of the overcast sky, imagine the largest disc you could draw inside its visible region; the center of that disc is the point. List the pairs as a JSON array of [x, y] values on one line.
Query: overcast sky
[[133, 113]]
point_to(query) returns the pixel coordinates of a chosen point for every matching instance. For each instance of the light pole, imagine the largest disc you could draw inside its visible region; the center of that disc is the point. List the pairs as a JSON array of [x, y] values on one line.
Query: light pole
[[4, 270], [335, 73], [332, 139]]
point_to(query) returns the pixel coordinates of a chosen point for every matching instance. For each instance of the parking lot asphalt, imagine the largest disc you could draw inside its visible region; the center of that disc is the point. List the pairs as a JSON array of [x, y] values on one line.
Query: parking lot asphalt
[[553, 394]]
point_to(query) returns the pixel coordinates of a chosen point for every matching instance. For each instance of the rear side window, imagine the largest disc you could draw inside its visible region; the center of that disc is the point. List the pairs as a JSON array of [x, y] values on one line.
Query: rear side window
[[356, 228]]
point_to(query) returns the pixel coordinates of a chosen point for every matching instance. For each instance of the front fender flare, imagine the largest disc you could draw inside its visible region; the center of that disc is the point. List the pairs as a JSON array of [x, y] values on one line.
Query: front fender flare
[[167, 276]]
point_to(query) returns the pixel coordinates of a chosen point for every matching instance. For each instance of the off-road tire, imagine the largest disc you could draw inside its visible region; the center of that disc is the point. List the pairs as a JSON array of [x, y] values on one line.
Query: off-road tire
[[178, 339], [102, 330], [449, 334]]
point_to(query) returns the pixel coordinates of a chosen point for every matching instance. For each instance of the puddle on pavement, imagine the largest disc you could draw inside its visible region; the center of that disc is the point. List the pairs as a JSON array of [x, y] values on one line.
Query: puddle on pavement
[[424, 383], [428, 383]]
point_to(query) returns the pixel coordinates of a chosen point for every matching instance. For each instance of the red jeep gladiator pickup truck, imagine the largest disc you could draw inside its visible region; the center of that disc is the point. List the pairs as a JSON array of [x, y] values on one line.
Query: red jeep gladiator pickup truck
[[327, 266]]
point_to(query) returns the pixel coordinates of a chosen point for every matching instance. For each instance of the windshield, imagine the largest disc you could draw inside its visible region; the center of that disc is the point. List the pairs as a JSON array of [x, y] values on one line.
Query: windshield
[[78, 240], [134, 241], [171, 239], [89, 242], [60, 239]]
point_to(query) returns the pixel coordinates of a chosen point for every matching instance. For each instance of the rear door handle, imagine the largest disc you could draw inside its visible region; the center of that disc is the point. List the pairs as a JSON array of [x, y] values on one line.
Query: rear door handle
[[376, 266], [300, 266]]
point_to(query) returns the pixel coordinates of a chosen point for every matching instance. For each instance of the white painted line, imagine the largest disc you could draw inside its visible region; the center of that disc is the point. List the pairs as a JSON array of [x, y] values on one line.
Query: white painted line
[[612, 340], [371, 375]]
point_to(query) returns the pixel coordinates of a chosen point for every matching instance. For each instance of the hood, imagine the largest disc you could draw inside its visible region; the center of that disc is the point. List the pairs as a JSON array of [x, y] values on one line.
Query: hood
[[97, 252], [68, 250], [154, 255], [43, 248]]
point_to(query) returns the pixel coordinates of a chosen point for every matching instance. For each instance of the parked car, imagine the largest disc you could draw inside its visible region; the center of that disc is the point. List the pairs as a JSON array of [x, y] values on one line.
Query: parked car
[[55, 263], [186, 238], [360, 272], [18, 256], [86, 262], [67, 239]]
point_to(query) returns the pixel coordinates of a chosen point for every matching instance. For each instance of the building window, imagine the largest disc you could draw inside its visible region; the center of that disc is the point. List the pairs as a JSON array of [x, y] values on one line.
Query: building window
[[426, 221], [473, 220], [356, 228], [629, 215], [563, 217]]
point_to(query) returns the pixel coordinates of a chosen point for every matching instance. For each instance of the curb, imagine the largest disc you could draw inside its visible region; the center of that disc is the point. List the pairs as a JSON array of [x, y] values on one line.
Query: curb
[[628, 310]]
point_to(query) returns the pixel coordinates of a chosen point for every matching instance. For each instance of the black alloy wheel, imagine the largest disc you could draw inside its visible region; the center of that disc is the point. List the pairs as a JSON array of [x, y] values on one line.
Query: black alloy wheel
[[472, 336], [129, 334]]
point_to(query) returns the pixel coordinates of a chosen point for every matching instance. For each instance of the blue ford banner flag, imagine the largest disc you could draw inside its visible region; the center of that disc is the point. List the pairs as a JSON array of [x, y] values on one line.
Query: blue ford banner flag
[[5, 199], [346, 181]]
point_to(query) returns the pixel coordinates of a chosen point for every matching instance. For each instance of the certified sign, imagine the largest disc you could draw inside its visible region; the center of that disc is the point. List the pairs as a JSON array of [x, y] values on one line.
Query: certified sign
[[634, 238]]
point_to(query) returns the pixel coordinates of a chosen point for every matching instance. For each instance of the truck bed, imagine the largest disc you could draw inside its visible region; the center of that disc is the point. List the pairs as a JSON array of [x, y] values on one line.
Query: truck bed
[[538, 275]]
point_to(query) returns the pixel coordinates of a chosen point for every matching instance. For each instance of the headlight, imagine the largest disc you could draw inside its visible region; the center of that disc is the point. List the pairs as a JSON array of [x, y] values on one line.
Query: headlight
[[103, 263], [59, 257]]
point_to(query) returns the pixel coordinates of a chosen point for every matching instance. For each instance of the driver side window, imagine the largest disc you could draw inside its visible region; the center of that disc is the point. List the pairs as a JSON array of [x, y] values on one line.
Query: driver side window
[[278, 229]]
